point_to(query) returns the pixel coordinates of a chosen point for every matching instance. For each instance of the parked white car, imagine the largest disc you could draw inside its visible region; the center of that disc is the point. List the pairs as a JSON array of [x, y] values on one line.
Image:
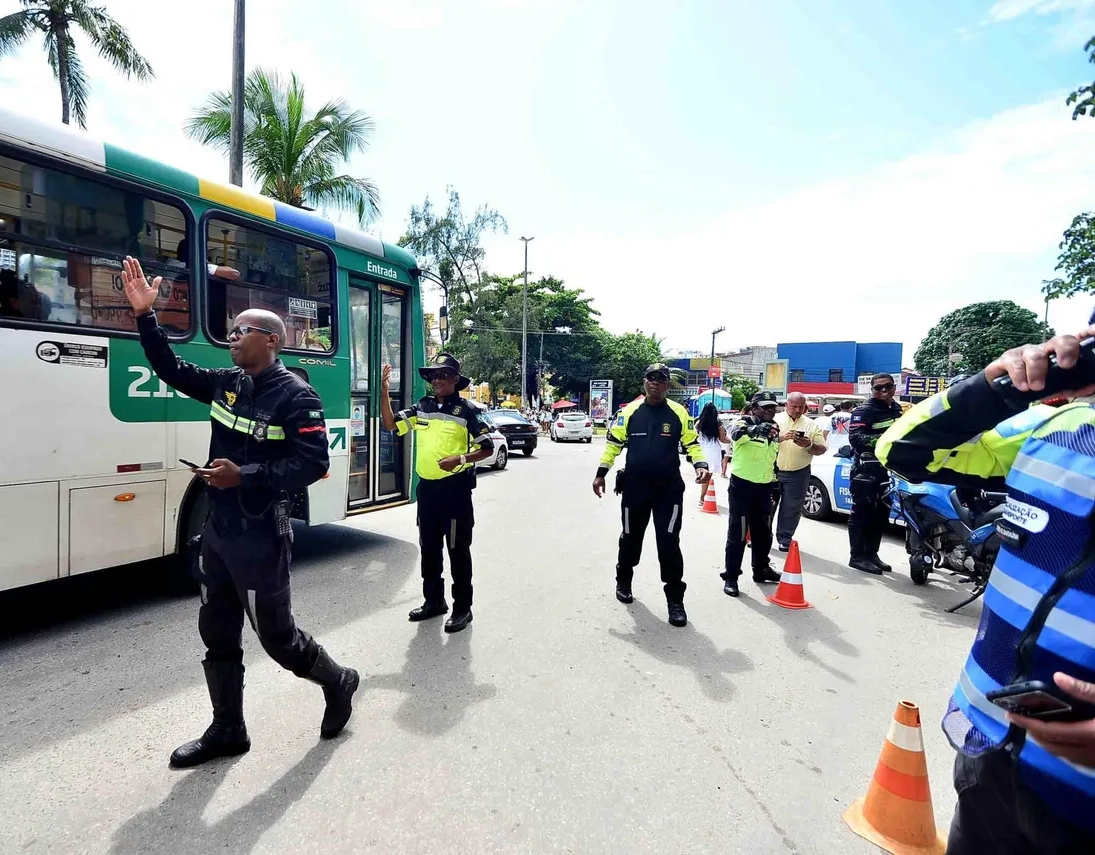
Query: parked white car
[[566, 427], [500, 456]]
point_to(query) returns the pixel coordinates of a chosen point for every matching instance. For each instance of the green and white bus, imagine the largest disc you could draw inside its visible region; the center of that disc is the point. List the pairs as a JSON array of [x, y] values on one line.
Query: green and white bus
[[90, 439]]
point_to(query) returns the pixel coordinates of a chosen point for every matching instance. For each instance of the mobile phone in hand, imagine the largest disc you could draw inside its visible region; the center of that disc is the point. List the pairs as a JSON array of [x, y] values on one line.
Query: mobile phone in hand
[[1041, 700], [188, 463]]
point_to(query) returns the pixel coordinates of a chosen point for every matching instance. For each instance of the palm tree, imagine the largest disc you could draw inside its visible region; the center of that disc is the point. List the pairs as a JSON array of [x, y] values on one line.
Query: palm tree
[[291, 155], [56, 20]]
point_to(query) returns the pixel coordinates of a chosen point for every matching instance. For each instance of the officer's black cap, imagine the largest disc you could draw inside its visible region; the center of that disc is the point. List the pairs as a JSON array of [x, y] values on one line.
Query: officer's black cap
[[657, 368], [765, 399], [445, 360]]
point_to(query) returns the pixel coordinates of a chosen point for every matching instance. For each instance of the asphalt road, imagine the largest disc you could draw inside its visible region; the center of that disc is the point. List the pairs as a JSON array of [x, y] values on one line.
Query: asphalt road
[[561, 721]]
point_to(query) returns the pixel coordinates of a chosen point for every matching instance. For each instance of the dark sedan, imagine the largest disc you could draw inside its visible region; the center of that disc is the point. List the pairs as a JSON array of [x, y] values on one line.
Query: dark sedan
[[520, 433]]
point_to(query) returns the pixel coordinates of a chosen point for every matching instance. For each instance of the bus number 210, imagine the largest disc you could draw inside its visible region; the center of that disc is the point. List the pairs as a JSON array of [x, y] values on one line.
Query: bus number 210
[[144, 375]]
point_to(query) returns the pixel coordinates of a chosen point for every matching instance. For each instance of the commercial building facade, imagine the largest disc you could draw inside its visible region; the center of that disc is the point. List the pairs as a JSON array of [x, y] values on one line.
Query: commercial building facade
[[833, 367]]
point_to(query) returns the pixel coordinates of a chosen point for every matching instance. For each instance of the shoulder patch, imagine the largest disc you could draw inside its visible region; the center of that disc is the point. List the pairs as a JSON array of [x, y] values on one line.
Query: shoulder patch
[[315, 414], [620, 420]]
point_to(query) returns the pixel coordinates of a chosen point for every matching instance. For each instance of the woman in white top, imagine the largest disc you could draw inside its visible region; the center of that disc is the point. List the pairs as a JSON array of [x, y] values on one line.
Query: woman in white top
[[711, 434]]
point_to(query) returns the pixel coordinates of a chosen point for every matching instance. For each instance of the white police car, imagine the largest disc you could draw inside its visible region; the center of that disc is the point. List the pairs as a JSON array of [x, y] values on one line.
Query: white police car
[[829, 490]]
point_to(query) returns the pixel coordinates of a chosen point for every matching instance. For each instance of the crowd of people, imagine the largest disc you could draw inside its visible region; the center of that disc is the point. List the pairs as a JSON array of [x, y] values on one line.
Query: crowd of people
[[1022, 715]]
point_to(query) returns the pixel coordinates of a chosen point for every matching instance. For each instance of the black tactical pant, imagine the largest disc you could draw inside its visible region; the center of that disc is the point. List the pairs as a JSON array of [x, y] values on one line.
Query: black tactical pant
[[249, 573], [997, 813], [664, 500], [870, 513], [750, 509], [445, 517]]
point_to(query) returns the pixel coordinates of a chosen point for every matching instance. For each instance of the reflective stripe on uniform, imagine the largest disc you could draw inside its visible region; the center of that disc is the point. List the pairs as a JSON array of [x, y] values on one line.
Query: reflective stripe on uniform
[[220, 413]]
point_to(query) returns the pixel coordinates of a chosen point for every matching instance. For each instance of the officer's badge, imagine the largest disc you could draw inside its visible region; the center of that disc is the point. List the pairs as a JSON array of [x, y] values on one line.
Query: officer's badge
[[259, 431], [665, 429], [456, 411], [230, 397]]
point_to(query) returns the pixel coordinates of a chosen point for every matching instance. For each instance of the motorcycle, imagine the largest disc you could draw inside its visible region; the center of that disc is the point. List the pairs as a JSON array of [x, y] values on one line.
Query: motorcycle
[[942, 531]]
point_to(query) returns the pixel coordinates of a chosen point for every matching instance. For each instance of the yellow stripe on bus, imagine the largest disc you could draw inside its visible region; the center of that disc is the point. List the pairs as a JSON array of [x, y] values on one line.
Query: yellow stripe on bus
[[234, 197]]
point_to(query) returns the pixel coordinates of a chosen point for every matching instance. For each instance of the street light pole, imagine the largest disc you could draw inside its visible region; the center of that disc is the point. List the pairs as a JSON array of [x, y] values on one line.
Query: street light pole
[[235, 141], [524, 330]]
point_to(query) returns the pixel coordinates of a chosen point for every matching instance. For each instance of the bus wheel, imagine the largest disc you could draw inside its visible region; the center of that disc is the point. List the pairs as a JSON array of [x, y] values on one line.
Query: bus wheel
[[194, 513]]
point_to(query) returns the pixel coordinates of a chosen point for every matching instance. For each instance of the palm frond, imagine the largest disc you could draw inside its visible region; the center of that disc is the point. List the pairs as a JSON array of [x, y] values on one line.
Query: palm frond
[[342, 191], [15, 29], [77, 83], [212, 124], [112, 40]]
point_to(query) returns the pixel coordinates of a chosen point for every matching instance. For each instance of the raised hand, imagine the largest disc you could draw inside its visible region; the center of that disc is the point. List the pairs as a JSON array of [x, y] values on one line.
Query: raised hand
[[385, 379], [140, 294]]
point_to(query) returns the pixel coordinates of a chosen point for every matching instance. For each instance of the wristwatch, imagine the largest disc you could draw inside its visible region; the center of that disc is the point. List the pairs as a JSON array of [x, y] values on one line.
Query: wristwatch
[[463, 459]]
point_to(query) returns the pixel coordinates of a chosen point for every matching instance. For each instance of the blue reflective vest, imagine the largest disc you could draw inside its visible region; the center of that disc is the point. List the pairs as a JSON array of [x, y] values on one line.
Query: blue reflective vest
[[1038, 615]]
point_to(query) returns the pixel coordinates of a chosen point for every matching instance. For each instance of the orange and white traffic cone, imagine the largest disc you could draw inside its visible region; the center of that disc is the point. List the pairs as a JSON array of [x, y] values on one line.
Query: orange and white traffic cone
[[789, 594], [896, 813], [710, 501]]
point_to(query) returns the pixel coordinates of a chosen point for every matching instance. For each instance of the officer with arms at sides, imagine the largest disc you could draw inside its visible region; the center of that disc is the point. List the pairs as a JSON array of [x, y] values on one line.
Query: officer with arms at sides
[[752, 478], [650, 429], [1024, 784], [449, 438], [268, 442], [870, 511], [800, 440]]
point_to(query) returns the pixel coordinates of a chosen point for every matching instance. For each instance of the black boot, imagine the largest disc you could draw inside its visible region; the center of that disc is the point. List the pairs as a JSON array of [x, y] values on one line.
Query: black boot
[[860, 559], [623, 593], [874, 542], [339, 685], [677, 614], [227, 735], [459, 620], [765, 575], [427, 610]]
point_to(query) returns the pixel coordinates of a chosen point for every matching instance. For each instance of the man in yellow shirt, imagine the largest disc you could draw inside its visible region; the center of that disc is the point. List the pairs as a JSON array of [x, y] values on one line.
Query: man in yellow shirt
[[800, 440]]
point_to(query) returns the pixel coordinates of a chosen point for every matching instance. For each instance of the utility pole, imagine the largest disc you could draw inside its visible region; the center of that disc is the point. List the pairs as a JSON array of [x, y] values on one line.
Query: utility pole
[[524, 331], [235, 144], [714, 333]]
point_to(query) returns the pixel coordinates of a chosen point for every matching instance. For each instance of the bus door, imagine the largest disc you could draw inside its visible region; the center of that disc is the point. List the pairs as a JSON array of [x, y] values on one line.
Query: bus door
[[378, 335]]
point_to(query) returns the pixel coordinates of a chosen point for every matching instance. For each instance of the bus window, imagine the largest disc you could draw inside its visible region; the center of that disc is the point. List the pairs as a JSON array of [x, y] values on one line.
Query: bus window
[[275, 272], [63, 238]]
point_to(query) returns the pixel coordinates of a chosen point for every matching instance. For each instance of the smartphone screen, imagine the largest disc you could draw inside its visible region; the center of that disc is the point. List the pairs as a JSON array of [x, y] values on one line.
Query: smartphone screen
[[1033, 704]]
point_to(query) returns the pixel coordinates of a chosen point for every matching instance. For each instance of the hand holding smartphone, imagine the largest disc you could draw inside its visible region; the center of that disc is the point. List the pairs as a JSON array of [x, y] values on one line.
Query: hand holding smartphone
[[188, 463], [1040, 700]]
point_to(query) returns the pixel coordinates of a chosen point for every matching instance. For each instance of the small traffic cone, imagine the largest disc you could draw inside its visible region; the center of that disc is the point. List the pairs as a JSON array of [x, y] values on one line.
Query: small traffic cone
[[710, 501], [789, 594], [896, 813]]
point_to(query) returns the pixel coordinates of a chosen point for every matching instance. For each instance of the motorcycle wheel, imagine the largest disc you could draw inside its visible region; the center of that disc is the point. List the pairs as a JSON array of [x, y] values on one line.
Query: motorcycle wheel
[[920, 565]]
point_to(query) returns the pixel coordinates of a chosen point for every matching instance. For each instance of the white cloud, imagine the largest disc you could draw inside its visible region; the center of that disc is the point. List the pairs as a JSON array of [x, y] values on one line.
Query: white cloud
[[880, 256], [1009, 10]]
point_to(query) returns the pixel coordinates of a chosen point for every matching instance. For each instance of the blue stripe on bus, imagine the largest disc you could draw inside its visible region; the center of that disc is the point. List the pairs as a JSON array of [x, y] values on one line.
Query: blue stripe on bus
[[306, 221]]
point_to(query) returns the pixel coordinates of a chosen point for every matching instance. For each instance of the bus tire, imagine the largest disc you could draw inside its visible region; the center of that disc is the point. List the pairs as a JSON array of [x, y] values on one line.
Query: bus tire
[[195, 509]]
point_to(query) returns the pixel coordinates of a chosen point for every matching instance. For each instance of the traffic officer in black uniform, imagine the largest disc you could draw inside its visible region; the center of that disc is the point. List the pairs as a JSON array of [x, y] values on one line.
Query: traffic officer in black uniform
[[268, 442], [870, 513], [650, 430], [449, 438]]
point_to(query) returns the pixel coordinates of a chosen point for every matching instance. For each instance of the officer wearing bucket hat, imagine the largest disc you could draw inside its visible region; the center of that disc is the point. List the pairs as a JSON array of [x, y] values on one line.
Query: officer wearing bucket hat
[[449, 438]]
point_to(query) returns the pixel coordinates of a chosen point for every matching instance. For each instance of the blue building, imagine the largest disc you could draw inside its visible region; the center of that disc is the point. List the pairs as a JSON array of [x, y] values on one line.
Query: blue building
[[832, 367]]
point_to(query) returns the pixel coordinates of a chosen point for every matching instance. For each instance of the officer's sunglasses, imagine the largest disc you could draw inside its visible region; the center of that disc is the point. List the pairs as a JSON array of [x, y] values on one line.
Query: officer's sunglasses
[[883, 387], [442, 375], [657, 378], [241, 331]]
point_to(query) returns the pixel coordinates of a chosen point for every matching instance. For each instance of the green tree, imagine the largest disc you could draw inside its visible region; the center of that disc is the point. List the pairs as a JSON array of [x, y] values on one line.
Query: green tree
[[450, 244], [977, 333], [626, 358], [740, 387], [1076, 260], [1084, 97], [293, 155], [56, 21]]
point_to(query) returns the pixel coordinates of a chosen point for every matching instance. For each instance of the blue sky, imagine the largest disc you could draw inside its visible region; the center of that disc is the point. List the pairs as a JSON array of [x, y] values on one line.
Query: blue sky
[[802, 170]]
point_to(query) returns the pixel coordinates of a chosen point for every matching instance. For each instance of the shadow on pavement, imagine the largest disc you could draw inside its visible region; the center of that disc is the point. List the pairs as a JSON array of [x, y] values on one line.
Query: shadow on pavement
[[437, 682], [801, 628], [130, 645], [685, 647], [176, 824]]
